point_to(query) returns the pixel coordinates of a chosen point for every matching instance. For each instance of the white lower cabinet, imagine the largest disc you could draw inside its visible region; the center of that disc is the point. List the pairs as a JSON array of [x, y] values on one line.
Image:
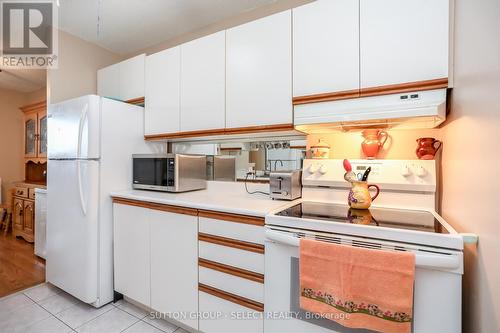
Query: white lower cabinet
[[156, 259], [210, 281], [132, 252], [174, 265], [230, 317]]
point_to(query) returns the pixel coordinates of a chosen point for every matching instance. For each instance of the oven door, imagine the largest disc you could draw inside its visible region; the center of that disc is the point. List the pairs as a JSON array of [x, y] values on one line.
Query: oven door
[[150, 173], [437, 298]]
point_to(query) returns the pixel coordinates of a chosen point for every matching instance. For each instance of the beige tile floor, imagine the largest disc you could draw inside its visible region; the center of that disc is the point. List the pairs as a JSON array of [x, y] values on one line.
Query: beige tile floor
[[45, 308]]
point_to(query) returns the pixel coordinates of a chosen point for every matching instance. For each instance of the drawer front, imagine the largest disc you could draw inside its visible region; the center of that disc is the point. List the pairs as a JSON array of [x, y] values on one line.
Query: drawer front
[[247, 260], [21, 192], [232, 284], [31, 193], [235, 230], [228, 322]]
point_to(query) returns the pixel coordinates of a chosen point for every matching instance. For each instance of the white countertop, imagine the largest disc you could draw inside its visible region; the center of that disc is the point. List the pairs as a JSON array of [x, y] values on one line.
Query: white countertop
[[229, 197]]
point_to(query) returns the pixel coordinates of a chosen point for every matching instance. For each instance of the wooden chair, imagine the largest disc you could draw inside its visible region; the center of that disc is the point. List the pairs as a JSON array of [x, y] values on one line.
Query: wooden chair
[[6, 211]]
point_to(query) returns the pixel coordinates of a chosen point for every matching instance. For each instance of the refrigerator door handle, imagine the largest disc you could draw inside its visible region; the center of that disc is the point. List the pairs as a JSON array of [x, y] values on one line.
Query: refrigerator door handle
[[83, 205], [83, 118]]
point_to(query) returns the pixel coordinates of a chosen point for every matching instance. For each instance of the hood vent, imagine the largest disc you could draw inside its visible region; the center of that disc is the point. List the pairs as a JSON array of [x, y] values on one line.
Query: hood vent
[[422, 109]]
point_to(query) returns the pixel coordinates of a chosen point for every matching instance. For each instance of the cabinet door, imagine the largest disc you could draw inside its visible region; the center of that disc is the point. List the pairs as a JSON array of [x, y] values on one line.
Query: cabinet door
[[162, 100], [403, 41], [30, 134], [326, 47], [29, 217], [259, 72], [108, 82], [42, 134], [18, 216], [132, 77], [203, 83], [174, 264], [131, 252]]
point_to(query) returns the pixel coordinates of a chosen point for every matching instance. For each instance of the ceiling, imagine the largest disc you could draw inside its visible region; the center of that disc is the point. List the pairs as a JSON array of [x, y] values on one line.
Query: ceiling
[[22, 80], [129, 26]]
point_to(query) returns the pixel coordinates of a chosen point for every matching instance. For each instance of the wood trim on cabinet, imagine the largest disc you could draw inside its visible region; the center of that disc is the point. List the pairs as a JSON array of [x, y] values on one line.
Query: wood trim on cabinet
[[255, 181], [298, 147], [220, 132], [404, 87], [180, 135], [231, 149], [156, 206], [372, 91], [229, 242], [245, 219], [326, 97], [248, 303], [136, 101], [259, 129], [38, 106], [242, 273]]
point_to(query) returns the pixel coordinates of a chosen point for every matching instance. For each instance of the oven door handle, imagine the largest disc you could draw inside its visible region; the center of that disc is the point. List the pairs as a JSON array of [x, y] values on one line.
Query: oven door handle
[[279, 237], [422, 260]]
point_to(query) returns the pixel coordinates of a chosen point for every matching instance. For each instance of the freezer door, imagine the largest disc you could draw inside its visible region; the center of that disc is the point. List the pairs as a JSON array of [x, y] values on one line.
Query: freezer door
[[72, 228], [74, 128]]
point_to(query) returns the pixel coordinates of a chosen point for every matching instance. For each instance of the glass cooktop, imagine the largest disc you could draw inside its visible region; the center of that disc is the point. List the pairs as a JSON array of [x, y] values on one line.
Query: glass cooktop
[[417, 220]]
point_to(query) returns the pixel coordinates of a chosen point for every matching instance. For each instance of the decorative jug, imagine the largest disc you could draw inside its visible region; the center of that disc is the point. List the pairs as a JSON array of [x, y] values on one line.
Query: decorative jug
[[359, 196], [320, 150], [427, 148], [374, 141]]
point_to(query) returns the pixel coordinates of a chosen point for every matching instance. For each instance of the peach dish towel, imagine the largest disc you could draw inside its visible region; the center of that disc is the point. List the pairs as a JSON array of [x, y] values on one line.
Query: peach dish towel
[[358, 287]]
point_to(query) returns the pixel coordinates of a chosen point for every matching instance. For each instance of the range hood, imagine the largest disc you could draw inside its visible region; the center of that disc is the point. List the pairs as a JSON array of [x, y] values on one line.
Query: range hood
[[421, 109]]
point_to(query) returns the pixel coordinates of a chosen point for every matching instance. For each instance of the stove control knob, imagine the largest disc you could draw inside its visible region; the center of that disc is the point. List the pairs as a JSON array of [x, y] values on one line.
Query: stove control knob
[[421, 172], [313, 168], [406, 172], [323, 169]]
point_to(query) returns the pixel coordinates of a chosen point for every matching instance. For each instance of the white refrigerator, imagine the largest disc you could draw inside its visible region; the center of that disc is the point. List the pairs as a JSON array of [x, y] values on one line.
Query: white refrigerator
[[90, 145]]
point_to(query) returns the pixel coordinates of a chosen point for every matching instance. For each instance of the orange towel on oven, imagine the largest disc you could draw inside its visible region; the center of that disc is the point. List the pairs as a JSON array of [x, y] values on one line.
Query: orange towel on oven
[[358, 287]]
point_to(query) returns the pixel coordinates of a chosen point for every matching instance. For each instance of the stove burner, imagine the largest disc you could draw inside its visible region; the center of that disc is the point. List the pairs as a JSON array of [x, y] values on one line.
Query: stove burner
[[417, 220]]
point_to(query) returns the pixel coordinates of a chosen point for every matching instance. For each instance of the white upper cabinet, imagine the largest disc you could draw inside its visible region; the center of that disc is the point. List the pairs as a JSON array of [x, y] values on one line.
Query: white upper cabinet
[[203, 68], [259, 72], [403, 41], [162, 95], [132, 77], [124, 80], [326, 47], [108, 82]]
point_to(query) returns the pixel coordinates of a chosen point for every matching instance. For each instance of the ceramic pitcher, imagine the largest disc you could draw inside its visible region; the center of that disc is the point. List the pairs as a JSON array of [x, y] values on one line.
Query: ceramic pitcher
[[374, 141], [359, 196], [427, 148]]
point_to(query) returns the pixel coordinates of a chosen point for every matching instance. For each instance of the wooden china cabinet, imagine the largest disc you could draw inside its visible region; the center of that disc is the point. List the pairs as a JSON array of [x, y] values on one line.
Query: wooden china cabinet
[[35, 162], [35, 131]]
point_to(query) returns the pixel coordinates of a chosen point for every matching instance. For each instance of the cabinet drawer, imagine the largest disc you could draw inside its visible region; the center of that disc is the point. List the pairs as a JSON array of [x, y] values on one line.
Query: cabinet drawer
[[235, 230], [31, 193], [252, 322], [247, 260], [21, 191], [236, 285]]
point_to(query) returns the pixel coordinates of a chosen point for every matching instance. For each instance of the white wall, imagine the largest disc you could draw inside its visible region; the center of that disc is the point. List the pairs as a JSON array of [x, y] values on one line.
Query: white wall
[[11, 138], [76, 75], [471, 158]]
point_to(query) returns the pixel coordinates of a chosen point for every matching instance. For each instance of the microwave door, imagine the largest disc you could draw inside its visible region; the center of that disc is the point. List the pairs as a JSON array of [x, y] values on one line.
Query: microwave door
[[150, 173]]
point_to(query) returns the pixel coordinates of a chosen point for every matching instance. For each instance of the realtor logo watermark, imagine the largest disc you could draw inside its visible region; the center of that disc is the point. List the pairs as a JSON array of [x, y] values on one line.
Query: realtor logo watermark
[[28, 35]]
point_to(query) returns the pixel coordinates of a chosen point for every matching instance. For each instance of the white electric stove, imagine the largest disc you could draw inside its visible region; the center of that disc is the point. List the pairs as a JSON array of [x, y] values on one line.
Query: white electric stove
[[402, 218]]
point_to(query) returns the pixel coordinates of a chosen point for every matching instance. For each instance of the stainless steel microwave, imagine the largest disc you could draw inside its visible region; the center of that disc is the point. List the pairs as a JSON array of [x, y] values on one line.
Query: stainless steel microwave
[[169, 172]]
